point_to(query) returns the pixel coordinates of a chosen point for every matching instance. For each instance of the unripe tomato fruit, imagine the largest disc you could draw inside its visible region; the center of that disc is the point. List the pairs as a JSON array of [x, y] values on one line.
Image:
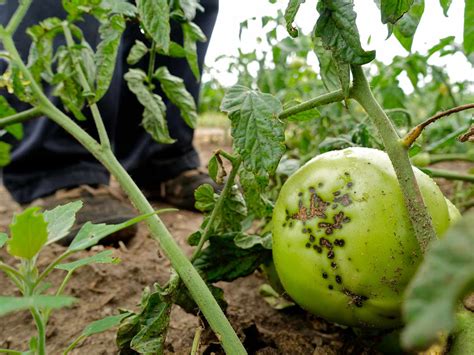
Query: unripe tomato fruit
[[343, 245]]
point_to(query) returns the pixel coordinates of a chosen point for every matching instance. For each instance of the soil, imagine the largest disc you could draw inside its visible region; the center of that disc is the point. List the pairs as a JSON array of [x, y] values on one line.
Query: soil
[[103, 289]]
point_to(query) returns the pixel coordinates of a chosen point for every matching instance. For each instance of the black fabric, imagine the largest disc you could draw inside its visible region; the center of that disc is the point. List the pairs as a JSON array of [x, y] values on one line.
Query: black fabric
[[48, 159]]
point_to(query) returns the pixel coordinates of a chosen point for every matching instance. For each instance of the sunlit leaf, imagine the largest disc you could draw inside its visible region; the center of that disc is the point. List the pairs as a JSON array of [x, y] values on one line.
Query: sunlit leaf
[[60, 220], [138, 50], [191, 34], [445, 4], [14, 304], [104, 257], [405, 29], [3, 239], [468, 39]]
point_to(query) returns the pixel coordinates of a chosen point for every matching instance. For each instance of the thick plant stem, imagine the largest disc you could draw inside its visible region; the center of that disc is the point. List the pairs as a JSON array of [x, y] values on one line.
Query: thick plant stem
[[324, 99], [398, 154], [191, 278], [20, 117], [218, 207]]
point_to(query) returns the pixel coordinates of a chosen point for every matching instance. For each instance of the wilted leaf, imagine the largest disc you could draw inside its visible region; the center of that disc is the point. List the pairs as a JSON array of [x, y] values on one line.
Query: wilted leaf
[[60, 220], [176, 92], [393, 10], [290, 14], [28, 233], [247, 241]]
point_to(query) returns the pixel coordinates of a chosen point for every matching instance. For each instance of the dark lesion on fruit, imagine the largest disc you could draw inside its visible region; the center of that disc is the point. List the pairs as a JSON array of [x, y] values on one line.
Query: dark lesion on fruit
[[317, 207], [355, 299], [344, 200], [339, 219]]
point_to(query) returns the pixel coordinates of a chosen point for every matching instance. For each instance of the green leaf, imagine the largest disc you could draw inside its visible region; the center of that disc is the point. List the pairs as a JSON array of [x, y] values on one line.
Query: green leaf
[[155, 18], [122, 7], [154, 120], [16, 129], [222, 260], [468, 40], [5, 150], [60, 220], [254, 188], [90, 234], [145, 332], [205, 198], [3, 239], [445, 4], [258, 133], [175, 90], [103, 324], [462, 338], [335, 75], [405, 29], [336, 26], [138, 50], [191, 34], [104, 257], [444, 277], [28, 233], [213, 168], [186, 302], [290, 14], [246, 241], [303, 116], [189, 8], [14, 304], [106, 54], [393, 10]]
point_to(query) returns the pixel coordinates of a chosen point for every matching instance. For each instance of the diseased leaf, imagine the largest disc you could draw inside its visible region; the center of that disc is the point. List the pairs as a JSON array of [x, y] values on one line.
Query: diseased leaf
[[222, 260], [213, 168], [189, 8], [191, 34], [14, 304], [405, 29], [122, 7], [28, 233], [154, 120], [445, 4], [145, 332], [205, 198], [336, 26], [393, 10], [246, 241], [106, 54], [16, 129], [258, 133], [468, 40], [90, 234], [335, 76], [3, 239], [176, 92], [155, 18], [444, 277], [254, 188], [60, 220], [104, 257], [138, 50], [290, 14]]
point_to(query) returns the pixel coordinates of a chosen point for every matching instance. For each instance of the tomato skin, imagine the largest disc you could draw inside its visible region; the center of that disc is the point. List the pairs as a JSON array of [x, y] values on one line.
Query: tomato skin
[[348, 255]]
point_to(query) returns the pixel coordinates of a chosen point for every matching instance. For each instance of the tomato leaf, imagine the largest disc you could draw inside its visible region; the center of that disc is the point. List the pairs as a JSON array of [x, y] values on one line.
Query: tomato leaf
[[258, 133], [155, 18], [138, 50], [290, 14], [60, 220], [105, 57], [254, 188], [175, 90], [145, 332], [445, 4], [90, 234], [445, 276], [247, 241], [189, 8], [154, 120], [103, 324], [191, 34], [3, 239], [405, 29], [468, 40], [122, 7], [336, 26], [393, 10], [14, 304], [205, 198], [335, 75], [222, 260], [28, 233], [5, 150], [104, 257], [16, 130], [213, 167]]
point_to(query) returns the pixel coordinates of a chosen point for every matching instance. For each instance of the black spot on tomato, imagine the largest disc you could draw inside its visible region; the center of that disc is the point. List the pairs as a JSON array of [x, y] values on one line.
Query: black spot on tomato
[[338, 279], [337, 193], [317, 248], [331, 254], [325, 275], [339, 242], [330, 287], [350, 184], [333, 265], [308, 245], [312, 238]]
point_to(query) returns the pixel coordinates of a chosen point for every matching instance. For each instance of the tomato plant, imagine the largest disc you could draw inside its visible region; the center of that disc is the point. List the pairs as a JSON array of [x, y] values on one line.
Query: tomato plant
[[343, 245]]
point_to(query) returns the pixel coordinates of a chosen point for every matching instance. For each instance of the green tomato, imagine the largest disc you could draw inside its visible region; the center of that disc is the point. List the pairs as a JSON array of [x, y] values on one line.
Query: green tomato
[[343, 245]]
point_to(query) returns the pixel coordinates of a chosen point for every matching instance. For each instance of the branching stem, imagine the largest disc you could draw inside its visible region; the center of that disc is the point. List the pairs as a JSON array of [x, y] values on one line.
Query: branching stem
[[415, 132], [20, 117]]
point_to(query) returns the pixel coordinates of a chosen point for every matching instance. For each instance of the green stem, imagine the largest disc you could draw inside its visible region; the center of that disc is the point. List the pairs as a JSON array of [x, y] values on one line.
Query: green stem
[[11, 352], [437, 158], [74, 344], [448, 174], [398, 154], [191, 278], [20, 117], [196, 341], [50, 267], [14, 275], [40, 326], [324, 99], [103, 136], [18, 16], [218, 207], [151, 63]]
